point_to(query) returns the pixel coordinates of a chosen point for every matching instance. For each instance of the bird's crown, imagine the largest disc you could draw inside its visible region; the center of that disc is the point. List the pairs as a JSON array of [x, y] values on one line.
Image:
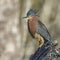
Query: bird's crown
[[31, 12]]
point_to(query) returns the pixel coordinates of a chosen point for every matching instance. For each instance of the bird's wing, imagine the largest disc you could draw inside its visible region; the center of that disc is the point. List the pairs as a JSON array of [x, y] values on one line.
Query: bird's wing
[[42, 30]]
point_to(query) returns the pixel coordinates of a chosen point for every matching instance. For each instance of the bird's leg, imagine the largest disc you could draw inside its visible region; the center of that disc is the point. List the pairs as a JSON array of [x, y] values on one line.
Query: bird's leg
[[41, 42], [40, 39]]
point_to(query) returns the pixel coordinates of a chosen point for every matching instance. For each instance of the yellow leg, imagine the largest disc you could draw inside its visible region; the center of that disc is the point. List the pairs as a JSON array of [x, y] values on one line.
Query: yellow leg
[[41, 42], [40, 39]]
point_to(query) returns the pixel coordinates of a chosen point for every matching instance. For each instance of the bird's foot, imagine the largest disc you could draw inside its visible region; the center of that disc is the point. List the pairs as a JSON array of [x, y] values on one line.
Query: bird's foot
[[41, 43]]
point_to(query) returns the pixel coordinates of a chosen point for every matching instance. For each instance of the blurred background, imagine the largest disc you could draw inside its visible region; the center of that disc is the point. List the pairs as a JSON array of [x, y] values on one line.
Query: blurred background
[[15, 41]]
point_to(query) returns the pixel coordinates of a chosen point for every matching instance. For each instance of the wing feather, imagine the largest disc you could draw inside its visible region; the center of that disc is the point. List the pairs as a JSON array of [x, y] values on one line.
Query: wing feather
[[42, 30]]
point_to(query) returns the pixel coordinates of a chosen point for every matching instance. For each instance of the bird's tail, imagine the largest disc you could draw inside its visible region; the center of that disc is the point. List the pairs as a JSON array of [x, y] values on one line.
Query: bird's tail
[[53, 43]]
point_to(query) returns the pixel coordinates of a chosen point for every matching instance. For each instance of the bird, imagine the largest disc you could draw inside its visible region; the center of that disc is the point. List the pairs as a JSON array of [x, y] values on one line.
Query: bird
[[36, 28]]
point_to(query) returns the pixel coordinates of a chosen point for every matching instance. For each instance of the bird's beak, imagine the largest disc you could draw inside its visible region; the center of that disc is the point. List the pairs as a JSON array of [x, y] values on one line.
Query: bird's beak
[[26, 18]]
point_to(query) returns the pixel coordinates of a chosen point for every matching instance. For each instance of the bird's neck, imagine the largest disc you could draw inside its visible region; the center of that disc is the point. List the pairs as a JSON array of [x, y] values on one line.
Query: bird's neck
[[32, 24], [34, 18]]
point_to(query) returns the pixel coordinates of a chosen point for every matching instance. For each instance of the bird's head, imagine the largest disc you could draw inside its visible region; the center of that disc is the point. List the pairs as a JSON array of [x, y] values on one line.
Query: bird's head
[[31, 13]]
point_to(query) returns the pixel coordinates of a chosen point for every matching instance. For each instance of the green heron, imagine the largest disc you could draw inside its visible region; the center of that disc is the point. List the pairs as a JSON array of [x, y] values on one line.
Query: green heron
[[36, 28]]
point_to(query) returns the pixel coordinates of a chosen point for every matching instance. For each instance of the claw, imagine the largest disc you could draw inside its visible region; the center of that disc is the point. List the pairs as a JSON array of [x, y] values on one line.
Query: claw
[[41, 43]]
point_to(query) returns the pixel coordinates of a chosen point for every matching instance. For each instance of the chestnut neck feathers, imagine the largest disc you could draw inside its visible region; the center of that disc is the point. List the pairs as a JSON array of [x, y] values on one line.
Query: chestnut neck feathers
[[32, 25]]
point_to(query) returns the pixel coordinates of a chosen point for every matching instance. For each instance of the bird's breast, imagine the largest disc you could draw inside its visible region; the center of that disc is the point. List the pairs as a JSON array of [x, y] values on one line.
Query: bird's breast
[[32, 25]]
